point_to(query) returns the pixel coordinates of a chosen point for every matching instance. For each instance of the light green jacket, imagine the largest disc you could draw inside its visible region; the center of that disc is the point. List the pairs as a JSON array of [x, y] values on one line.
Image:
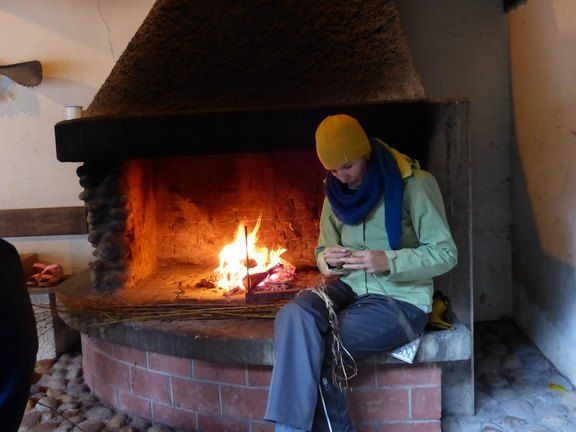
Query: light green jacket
[[426, 246]]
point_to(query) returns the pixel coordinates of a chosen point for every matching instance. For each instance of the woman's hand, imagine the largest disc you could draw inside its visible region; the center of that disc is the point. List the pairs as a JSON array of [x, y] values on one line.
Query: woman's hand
[[371, 261], [335, 256]]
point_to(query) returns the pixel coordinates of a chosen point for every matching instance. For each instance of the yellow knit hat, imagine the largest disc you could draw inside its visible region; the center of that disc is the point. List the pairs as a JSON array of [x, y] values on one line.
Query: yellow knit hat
[[339, 140]]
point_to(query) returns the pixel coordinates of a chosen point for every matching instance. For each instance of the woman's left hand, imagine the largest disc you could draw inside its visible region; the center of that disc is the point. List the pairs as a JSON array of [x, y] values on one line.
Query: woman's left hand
[[371, 261]]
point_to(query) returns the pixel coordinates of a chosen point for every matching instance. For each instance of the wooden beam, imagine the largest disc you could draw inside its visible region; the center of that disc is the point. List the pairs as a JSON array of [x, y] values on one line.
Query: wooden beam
[[43, 222]]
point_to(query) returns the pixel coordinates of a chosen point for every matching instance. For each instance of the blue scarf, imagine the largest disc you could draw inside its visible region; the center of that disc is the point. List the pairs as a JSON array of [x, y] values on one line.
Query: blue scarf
[[382, 176]]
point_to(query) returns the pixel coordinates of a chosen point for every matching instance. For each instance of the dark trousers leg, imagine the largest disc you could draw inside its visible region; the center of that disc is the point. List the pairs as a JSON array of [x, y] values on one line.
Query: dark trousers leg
[[371, 325], [375, 324], [300, 331]]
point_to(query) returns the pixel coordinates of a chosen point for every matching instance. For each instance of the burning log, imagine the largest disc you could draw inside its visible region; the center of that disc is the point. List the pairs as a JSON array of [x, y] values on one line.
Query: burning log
[[276, 278], [252, 280]]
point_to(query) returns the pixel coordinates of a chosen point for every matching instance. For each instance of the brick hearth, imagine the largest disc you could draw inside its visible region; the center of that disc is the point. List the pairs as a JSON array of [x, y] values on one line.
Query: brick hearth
[[213, 374], [206, 396]]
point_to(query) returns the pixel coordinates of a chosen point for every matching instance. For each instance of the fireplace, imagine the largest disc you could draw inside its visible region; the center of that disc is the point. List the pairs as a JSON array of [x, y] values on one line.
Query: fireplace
[[207, 122], [161, 211], [160, 221]]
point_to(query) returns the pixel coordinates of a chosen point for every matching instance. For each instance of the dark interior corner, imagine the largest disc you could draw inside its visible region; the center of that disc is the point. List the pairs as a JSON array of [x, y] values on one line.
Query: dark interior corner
[[509, 5]]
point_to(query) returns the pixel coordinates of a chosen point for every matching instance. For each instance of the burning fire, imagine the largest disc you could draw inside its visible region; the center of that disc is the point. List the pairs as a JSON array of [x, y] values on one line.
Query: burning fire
[[243, 257]]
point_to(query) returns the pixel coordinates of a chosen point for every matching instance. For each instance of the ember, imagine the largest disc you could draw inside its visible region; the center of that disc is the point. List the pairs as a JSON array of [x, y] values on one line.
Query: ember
[[244, 266]]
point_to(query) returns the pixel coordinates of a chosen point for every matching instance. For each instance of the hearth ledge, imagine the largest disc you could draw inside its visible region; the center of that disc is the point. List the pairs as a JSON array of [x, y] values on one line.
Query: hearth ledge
[[239, 341]]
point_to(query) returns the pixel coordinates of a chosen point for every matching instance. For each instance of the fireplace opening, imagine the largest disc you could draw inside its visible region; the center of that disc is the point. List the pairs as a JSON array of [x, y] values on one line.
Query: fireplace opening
[[159, 225]]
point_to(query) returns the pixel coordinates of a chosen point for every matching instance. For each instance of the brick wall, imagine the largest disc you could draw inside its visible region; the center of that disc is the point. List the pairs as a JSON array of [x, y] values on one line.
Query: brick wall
[[149, 213], [203, 396], [200, 202]]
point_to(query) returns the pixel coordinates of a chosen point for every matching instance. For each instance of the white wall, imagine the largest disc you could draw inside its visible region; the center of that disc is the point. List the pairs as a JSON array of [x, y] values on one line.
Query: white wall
[[543, 65], [460, 49], [77, 43]]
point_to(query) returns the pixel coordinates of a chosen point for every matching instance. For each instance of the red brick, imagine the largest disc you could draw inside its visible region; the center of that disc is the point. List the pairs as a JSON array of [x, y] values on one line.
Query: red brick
[[151, 385], [88, 379], [195, 396], [366, 376], [371, 427], [99, 344], [426, 403], [129, 355], [263, 185], [218, 372], [110, 371], [134, 405], [379, 404], [241, 402], [176, 366], [409, 375], [216, 423], [85, 341], [88, 365], [259, 376], [174, 417], [106, 392]]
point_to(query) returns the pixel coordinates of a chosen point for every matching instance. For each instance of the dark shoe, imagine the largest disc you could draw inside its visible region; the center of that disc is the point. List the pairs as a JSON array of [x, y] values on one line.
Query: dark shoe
[[331, 414]]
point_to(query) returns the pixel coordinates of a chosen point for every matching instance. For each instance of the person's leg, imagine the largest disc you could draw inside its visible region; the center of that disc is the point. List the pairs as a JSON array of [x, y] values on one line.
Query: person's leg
[[372, 324], [18, 339], [375, 324], [331, 413], [300, 329]]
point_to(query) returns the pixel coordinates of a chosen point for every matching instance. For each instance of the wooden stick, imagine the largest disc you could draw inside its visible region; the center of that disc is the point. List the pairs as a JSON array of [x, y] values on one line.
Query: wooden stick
[[247, 259]]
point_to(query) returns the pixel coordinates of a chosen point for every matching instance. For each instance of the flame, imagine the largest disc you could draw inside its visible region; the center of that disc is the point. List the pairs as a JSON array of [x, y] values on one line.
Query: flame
[[243, 250]]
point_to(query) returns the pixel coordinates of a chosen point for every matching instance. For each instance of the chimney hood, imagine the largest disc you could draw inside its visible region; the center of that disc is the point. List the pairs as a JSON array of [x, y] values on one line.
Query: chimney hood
[[264, 70]]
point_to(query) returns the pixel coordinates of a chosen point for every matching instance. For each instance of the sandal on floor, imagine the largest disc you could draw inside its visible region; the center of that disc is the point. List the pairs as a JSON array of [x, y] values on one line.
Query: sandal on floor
[[34, 280], [47, 275]]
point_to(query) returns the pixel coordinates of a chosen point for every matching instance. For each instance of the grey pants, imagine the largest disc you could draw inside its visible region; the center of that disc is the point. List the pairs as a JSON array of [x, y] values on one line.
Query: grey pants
[[302, 395]]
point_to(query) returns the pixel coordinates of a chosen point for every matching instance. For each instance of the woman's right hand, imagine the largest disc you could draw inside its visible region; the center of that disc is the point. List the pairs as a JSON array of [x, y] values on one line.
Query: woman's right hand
[[335, 256]]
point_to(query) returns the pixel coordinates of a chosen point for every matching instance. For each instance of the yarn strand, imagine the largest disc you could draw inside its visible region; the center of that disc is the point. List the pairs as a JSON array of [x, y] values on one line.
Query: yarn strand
[[342, 371]]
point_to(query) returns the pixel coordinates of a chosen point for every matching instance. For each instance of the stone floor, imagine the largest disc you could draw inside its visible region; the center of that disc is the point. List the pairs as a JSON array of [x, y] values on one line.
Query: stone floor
[[517, 389]]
